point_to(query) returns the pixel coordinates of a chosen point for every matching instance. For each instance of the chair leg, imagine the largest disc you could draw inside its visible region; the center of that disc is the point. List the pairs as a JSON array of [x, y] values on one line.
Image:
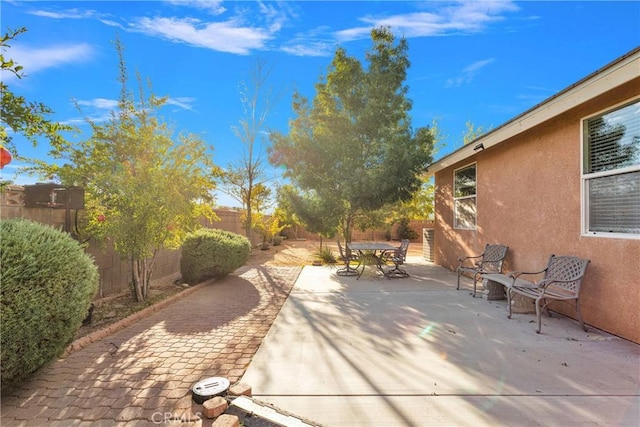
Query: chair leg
[[458, 287], [579, 315], [475, 284], [545, 307], [539, 315], [347, 270], [509, 298], [396, 272]]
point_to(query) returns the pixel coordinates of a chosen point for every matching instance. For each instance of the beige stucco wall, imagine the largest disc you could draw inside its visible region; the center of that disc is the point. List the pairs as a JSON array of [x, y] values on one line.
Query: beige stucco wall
[[529, 198]]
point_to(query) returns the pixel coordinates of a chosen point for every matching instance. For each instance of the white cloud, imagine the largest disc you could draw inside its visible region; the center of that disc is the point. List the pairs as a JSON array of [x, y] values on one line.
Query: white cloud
[[245, 31], [461, 17], [228, 36], [309, 49], [213, 7], [184, 102], [98, 110], [313, 42], [273, 16], [65, 14], [37, 59], [99, 103], [468, 73]]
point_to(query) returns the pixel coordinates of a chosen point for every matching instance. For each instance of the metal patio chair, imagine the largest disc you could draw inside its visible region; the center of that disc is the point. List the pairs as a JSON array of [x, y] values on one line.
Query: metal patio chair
[[561, 282], [398, 257], [490, 261], [347, 257]]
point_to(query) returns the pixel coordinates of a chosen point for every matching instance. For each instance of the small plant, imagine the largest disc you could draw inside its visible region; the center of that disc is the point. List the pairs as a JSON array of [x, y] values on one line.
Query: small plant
[[326, 255], [210, 253]]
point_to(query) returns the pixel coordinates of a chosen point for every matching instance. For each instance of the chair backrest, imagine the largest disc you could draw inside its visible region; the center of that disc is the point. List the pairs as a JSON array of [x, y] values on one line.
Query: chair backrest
[[570, 269], [342, 253], [402, 250], [493, 257]]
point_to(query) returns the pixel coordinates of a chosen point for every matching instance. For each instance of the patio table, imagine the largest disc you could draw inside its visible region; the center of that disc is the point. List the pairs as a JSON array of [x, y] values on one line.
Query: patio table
[[375, 249]]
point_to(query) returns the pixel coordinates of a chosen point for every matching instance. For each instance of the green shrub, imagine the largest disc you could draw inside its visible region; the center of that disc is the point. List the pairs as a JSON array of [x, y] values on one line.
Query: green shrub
[[326, 255], [212, 253], [406, 232], [47, 284]]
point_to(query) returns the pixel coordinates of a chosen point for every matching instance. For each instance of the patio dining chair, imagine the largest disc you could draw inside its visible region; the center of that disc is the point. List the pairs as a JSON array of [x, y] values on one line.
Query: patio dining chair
[[348, 257], [561, 282], [490, 261], [398, 257]]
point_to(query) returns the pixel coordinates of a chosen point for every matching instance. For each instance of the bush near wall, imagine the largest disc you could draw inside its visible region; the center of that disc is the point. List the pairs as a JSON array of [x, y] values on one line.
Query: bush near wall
[[47, 285], [210, 253]]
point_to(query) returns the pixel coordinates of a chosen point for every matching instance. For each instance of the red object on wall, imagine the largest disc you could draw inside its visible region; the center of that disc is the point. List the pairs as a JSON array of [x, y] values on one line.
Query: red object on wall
[[5, 157]]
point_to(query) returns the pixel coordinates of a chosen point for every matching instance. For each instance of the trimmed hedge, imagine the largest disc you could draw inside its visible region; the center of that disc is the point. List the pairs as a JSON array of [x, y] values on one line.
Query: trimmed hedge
[[47, 284], [210, 253]]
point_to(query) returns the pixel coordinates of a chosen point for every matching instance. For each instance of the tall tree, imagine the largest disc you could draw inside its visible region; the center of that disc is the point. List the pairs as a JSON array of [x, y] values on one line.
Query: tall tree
[[248, 175], [317, 215], [355, 142], [145, 190], [472, 133], [28, 118]]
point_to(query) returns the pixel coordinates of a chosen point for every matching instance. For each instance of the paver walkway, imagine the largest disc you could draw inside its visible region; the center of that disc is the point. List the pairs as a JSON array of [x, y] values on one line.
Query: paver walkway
[[136, 376]]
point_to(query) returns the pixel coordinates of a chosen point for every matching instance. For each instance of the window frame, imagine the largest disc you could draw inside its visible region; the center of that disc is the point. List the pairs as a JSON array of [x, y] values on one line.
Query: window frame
[[456, 226], [586, 177]]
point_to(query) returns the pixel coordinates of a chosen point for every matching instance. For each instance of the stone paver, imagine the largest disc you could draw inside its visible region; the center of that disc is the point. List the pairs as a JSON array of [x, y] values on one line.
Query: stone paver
[[137, 375]]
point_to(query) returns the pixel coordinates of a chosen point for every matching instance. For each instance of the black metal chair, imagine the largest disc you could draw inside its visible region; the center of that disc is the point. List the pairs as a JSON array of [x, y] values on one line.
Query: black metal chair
[[398, 257], [347, 257], [490, 261]]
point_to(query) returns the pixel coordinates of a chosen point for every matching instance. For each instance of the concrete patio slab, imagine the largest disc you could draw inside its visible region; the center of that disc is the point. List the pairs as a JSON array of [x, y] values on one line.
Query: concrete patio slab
[[418, 352]]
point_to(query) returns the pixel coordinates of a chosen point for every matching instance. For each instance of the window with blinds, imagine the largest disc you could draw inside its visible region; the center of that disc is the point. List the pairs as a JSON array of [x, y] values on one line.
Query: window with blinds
[[611, 172]]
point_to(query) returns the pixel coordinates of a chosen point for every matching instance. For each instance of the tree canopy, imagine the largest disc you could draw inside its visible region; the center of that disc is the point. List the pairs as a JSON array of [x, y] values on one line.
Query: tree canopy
[[353, 146], [28, 118], [145, 189]]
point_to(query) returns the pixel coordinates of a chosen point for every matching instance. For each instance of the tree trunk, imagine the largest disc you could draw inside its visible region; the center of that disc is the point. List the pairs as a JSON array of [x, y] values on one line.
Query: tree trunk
[[137, 280], [141, 270]]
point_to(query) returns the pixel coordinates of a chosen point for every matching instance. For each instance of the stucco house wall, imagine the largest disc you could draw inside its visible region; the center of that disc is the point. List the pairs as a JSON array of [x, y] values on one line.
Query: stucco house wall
[[528, 196]]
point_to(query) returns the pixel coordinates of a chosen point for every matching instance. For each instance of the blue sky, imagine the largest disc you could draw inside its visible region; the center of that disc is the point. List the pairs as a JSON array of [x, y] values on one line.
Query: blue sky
[[478, 61]]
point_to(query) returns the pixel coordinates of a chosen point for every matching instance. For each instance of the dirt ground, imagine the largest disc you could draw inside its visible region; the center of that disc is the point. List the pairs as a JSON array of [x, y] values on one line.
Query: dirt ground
[[290, 253]]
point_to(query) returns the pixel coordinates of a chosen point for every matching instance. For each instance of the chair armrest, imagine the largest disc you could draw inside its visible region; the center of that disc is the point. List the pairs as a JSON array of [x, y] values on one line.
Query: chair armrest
[[516, 274], [388, 254], [546, 282], [461, 260]]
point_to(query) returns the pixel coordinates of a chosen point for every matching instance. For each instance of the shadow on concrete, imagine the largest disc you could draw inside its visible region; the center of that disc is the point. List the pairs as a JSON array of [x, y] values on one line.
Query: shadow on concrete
[[415, 351]]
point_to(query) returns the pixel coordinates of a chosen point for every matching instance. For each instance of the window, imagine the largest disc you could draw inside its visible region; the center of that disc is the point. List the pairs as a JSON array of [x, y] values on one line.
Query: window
[[611, 173], [464, 198]]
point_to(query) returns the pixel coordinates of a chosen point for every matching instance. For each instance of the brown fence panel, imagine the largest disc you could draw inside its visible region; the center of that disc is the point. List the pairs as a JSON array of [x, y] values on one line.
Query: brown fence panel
[[115, 272]]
